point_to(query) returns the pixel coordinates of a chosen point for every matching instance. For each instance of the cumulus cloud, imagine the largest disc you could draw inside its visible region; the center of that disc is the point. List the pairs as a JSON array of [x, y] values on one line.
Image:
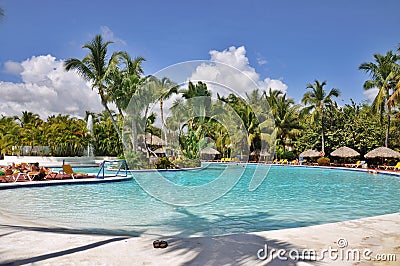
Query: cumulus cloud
[[11, 67], [109, 35], [371, 93], [47, 89], [242, 80]]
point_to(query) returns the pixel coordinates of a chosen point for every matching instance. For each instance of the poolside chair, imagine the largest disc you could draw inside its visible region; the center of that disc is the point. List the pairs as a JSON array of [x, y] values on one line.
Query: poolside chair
[[67, 169], [13, 175], [395, 167], [353, 165], [41, 175]]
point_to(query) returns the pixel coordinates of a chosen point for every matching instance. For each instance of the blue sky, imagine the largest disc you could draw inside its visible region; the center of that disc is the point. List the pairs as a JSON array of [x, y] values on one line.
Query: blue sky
[[294, 42]]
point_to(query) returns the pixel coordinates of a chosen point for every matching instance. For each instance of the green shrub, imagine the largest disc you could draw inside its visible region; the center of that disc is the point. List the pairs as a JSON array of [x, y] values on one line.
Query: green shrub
[[289, 155], [164, 163], [323, 161]]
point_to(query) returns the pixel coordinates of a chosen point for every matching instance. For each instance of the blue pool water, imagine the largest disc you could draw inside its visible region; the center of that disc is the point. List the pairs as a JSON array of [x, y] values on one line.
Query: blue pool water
[[288, 197]]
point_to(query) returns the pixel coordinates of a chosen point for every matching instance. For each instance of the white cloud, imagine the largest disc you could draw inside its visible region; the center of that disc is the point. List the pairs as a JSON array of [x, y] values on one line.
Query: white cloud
[[371, 93], [12, 68], [234, 72], [261, 60], [47, 89], [110, 36]]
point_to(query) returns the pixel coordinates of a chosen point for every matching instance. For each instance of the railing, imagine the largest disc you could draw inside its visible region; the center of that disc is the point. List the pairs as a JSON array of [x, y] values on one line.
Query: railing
[[122, 163]]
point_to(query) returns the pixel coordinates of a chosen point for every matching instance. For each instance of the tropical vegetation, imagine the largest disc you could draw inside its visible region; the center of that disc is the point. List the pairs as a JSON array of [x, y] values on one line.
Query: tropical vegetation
[[271, 120]]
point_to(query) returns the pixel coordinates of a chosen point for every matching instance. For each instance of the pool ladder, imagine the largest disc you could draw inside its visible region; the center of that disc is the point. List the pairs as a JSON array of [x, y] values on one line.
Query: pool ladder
[[122, 163]]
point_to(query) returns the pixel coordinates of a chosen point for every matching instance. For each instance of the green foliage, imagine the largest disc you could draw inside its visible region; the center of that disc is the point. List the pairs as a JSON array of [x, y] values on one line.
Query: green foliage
[[135, 160], [323, 161], [105, 139], [164, 163], [65, 136], [354, 126], [186, 162], [282, 154]]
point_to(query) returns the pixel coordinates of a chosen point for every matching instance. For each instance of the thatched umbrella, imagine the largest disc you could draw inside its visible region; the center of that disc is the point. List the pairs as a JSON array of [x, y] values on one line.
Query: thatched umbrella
[[154, 140], [382, 152], [310, 153], [345, 152], [159, 151], [264, 155], [210, 151]]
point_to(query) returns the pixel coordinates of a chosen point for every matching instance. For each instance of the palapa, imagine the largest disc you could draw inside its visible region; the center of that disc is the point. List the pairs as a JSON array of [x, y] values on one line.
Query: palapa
[[382, 152], [345, 152], [210, 151], [310, 153]]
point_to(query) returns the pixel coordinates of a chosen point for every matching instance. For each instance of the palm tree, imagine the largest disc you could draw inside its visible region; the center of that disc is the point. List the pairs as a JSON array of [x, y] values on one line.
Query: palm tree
[[383, 78], [318, 101], [10, 132], [286, 117], [95, 68], [125, 82], [396, 93], [166, 89]]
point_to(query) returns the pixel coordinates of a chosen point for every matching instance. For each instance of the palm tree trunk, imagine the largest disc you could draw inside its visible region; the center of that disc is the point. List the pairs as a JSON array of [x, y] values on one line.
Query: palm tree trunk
[[387, 130], [322, 133], [104, 103], [134, 135], [162, 121]]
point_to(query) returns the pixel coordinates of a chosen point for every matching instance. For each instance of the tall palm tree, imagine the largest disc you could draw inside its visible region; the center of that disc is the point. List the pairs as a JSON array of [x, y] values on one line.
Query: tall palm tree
[[125, 82], [396, 93], [383, 76], [286, 117], [272, 97], [95, 68], [318, 100], [166, 89]]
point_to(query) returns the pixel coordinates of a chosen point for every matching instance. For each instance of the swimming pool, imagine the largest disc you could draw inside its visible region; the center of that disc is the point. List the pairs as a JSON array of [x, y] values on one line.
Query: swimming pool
[[288, 197]]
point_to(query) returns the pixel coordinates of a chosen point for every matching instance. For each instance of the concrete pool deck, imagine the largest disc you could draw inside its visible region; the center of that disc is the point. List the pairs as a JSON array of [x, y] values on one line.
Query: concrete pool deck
[[23, 242]]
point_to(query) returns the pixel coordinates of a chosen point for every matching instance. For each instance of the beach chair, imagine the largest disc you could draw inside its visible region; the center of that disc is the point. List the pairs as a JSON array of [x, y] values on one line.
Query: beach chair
[[48, 173], [67, 169], [395, 167], [13, 175], [353, 165]]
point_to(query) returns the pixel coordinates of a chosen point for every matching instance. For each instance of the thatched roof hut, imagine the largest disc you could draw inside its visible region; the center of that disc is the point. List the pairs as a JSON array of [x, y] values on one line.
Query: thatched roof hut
[[345, 152], [382, 152]]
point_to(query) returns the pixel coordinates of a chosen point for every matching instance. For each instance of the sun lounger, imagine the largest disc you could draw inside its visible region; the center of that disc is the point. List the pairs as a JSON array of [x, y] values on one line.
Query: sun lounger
[[395, 167], [354, 165], [67, 169], [13, 175]]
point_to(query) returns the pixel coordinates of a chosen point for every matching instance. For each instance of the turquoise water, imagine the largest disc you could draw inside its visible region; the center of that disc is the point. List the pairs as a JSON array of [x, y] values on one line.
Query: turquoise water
[[288, 197]]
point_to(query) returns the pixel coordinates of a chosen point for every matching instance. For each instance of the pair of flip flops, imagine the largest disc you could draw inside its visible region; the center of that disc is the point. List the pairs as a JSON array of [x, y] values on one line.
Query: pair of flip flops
[[160, 244]]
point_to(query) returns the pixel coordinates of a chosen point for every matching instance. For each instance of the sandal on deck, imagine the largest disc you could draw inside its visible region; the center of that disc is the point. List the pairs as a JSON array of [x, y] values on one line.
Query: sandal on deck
[[156, 243]]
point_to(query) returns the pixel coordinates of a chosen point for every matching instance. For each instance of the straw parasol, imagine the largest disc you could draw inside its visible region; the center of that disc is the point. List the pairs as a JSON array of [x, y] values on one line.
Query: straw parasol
[[345, 152], [159, 151], [210, 151], [310, 153], [382, 152], [154, 140]]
